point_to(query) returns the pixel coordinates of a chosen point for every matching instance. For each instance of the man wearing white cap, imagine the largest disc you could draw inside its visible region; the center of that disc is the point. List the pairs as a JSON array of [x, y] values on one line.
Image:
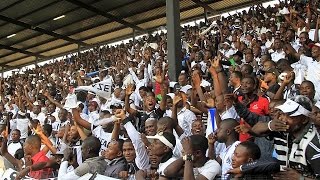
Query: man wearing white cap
[[162, 146], [297, 143]]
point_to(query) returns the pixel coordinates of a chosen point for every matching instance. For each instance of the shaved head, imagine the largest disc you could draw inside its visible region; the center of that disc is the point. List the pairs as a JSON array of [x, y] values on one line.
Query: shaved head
[[34, 141]]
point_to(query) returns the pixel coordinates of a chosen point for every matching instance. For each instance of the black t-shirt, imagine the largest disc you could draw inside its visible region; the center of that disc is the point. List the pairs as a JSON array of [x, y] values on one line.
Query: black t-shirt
[[142, 116]]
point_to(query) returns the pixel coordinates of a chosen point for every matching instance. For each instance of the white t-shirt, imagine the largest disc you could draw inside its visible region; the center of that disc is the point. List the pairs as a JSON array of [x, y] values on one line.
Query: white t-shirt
[[13, 147], [41, 117], [209, 170], [163, 166], [93, 117], [226, 157], [103, 136], [313, 73], [22, 125]]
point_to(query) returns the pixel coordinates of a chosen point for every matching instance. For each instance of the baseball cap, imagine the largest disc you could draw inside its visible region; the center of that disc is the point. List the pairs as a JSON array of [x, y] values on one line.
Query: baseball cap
[[166, 138], [171, 95], [296, 106], [185, 88]]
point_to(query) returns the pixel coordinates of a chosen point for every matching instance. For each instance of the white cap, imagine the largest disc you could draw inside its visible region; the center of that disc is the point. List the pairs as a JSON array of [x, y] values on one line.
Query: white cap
[[185, 88], [161, 137], [171, 95], [237, 21], [293, 108]]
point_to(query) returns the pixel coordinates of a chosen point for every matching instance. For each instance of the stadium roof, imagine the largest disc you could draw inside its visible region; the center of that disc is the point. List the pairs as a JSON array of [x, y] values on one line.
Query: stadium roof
[[29, 31]]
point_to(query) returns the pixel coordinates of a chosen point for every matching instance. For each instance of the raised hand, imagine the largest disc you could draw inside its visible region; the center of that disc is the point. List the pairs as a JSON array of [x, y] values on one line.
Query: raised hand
[[187, 145], [120, 114], [278, 125], [210, 103], [287, 79], [242, 129], [212, 138], [196, 79], [176, 100], [215, 63], [129, 89]]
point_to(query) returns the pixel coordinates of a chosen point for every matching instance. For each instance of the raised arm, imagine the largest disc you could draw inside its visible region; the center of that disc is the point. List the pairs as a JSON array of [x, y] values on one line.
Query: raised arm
[[128, 109], [83, 135], [177, 127], [47, 95], [79, 120], [140, 149], [197, 81]]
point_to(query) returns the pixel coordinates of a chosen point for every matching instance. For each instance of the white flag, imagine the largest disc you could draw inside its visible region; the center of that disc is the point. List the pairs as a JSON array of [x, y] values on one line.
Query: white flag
[[102, 89]]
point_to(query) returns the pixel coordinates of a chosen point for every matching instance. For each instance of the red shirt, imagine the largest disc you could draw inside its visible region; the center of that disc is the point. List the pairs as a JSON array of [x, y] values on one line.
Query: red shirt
[[260, 106], [44, 173]]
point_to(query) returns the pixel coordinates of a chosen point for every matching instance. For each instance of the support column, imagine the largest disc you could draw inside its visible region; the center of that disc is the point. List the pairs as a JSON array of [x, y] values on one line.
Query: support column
[[36, 61], [173, 38], [134, 36], [205, 15], [79, 49]]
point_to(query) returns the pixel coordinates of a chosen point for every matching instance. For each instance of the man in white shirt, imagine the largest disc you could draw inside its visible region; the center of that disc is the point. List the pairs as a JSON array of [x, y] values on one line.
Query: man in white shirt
[[194, 161], [37, 114], [277, 53], [162, 146], [185, 116], [93, 112], [225, 134], [22, 124], [15, 143]]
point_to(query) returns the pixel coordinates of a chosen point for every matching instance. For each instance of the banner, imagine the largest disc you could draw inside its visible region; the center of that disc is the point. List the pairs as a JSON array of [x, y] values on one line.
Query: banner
[[89, 176], [102, 89]]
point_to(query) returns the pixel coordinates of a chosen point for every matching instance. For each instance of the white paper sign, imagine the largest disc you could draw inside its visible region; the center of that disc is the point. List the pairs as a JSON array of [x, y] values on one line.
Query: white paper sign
[[102, 89]]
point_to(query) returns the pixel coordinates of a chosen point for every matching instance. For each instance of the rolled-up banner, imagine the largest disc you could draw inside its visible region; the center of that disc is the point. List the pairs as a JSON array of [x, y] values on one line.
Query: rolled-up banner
[[212, 112]]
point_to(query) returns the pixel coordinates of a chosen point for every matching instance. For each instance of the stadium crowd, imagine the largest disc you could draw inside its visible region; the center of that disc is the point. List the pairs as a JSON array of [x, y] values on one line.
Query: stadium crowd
[[246, 105]]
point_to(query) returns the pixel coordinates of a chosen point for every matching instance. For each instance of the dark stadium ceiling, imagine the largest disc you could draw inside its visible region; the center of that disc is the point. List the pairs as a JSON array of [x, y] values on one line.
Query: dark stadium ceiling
[[28, 31]]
